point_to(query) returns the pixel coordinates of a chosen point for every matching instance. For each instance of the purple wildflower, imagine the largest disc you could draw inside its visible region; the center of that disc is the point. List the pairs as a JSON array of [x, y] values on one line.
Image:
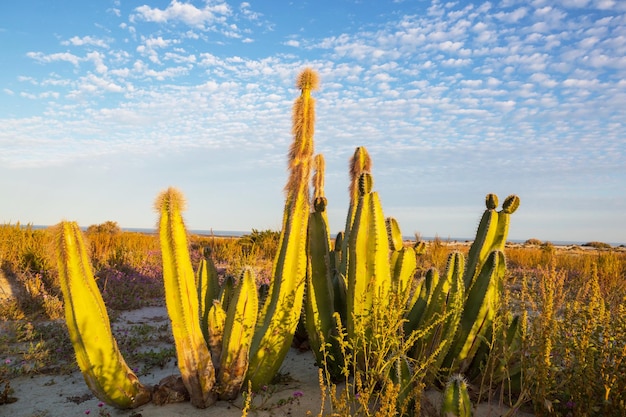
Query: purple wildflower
[[298, 394]]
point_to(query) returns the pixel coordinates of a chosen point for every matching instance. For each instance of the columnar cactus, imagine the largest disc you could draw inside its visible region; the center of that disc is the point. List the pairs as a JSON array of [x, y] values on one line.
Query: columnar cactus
[[319, 304], [181, 297], [99, 359], [279, 316], [238, 332], [480, 307], [456, 401], [369, 271], [208, 287]]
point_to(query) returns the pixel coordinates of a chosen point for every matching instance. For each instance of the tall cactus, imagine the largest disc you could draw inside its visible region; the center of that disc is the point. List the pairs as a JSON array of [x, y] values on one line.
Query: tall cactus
[[319, 299], [279, 317], [181, 297], [369, 274], [359, 163], [103, 367]]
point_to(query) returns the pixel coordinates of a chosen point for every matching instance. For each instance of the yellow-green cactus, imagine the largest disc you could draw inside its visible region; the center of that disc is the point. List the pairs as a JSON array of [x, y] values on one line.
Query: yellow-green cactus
[[238, 331], [456, 401], [208, 287], [181, 297], [319, 301], [280, 314], [369, 271], [99, 359]]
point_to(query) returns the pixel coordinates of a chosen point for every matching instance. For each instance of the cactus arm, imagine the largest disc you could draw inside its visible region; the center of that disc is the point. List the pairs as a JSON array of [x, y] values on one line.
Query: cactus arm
[[359, 163], [181, 297], [238, 332], [416, 312], [456, 401], [403, 261], [279, 317], [319, 300], [215, 331], [482, 245], [510, 205], [481, 303], [319, 295], [207, 283], [106, 373]]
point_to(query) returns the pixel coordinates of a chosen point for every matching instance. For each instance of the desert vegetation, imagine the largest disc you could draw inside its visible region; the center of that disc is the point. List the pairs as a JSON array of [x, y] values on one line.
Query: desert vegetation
[[533, 326]]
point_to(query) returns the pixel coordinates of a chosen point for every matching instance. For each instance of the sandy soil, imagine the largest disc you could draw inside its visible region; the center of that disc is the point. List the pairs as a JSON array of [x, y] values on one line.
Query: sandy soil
[[68, 395]]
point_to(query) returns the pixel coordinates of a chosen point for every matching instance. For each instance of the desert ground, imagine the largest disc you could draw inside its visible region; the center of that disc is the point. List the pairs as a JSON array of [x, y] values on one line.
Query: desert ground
[[67, 395]]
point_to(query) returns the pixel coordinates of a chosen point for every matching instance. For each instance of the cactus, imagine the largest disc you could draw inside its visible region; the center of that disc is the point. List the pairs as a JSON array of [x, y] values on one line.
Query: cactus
[[181, 297], [320, 324], [208, 287], [446, 301], [106, 373], [481, 247], [403, 261], [369, 274], [238, 331], [491, 234], [456, 401], [480, 308], [216, 321], [279, 317], [359, 163]]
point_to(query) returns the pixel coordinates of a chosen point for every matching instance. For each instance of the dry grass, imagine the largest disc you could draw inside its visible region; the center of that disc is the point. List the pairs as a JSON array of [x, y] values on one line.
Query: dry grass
[[572, 303]]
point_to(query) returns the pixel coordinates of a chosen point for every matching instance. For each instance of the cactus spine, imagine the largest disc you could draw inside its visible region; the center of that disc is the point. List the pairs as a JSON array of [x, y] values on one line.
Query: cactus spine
[[103, 367], [279, 316], [181, 297], [456, 401]]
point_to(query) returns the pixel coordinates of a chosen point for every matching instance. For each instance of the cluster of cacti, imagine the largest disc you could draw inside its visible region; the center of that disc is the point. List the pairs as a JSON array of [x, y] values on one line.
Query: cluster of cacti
[[225, 335], [222, 337]]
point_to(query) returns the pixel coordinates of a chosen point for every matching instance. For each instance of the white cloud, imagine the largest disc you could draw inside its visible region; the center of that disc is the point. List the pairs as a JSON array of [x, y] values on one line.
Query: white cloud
[[59, 56], [185, 13], [85, 40]]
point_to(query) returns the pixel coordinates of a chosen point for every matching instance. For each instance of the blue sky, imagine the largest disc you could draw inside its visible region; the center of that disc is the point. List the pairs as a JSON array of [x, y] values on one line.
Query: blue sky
[[104, 104]]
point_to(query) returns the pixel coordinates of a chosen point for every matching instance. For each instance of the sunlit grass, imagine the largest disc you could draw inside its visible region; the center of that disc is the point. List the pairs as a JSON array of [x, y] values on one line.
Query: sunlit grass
[[572, 302]]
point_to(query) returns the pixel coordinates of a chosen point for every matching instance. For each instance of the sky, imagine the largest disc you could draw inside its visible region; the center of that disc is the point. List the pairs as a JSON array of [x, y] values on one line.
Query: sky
[[104, 104]]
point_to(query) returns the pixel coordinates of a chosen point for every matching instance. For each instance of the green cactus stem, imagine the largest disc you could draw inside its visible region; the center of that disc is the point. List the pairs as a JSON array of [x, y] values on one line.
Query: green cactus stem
[[359, 163], [238, 331], [403, 261], [482, 245], [106, 373], [280, 314], [510, 205], [446, 301], [208, 286], [369, 272], [181, 297], [423, 292], [319, 295], [480, 307], [456, 401], [215, 332]]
